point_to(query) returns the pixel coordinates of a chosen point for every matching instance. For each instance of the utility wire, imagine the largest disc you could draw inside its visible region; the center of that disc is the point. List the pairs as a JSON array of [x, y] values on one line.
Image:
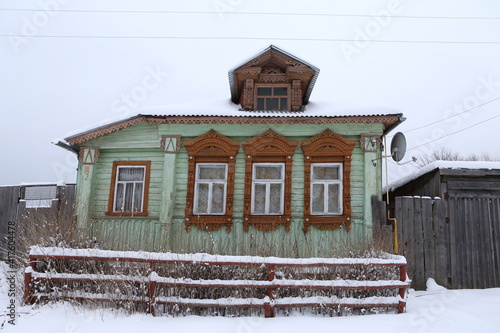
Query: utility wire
[[249, 13], [449, 134], [455, 115], [251, 38]]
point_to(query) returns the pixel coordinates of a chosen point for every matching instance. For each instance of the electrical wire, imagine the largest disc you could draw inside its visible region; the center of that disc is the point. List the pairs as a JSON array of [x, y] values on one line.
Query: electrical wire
[[455, 115], [228, 12], [453, 133], [250, 38]]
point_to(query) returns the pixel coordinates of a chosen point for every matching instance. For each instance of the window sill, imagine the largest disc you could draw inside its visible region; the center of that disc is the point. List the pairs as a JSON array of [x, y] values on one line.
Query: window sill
[[327, 222], [208, 222]]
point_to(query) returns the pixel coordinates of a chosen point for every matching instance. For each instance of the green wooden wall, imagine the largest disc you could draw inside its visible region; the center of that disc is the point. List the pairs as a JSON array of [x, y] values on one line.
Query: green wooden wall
[[157, 233]]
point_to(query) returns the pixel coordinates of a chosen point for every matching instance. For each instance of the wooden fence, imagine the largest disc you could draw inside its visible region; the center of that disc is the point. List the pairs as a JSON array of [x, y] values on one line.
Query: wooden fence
[[455, 240], [371, 293], [22, 204]]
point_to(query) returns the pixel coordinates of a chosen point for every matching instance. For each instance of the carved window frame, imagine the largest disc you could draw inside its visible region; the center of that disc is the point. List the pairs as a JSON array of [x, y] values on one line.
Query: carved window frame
[[268, 147], [328, 147], [112, 193], [209, 148]]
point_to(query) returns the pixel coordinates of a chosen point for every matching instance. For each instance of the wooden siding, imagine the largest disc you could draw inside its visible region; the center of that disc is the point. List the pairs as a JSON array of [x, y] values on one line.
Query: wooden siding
[[142, 142]]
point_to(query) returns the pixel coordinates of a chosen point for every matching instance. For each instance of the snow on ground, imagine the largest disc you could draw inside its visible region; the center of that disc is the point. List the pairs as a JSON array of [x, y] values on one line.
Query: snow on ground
[[434, 310]]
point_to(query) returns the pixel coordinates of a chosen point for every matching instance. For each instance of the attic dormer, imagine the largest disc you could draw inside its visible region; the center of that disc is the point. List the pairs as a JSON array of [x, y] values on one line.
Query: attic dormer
[[274, 80]]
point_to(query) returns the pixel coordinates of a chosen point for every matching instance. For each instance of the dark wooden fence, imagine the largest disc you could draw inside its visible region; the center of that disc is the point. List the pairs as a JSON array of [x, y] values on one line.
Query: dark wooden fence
[[455, 240], [369, 291], [20, 203]]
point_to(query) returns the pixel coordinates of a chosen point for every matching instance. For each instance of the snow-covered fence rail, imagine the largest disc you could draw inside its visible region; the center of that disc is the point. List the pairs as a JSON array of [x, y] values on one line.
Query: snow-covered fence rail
[[371, 292]]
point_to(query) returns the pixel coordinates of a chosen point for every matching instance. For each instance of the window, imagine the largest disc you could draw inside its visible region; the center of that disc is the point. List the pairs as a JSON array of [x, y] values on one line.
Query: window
[[327, 181], [268, 186], [326, 189], [39, 196], [210, 189], [272, 98], [129, 188], [268, 181]]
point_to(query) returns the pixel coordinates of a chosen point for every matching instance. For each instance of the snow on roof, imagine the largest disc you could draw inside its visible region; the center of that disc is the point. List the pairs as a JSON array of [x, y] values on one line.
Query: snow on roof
[[225, 108], [487, 165]]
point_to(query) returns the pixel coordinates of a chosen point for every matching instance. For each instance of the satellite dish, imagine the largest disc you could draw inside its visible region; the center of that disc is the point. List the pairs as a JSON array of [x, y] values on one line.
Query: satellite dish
[[398, 147]]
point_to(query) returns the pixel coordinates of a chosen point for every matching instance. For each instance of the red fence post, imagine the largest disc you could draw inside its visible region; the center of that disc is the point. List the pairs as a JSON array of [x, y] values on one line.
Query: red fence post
[[27, 287], [402, 291], [28, 297], [152, 292], [268, 310]]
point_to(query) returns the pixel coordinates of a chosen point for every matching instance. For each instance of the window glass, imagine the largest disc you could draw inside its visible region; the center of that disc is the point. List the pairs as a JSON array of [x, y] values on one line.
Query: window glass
[[264, 91], [211, 172], [119, 193], [280, 91], [275, 198], [260, 199], [325, 172], [318, 198], [272, 103], [129, 190], [283, 104], [130, 174], [268, 172], [218, 198], [268, 185], [333, 198], [326, 187], [210, 188], [202, 207], [261, 103], [272, 98]]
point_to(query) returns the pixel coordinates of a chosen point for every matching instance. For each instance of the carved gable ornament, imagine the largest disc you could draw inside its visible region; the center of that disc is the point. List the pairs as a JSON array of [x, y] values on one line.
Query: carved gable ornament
[[88, 155], [273, 67]]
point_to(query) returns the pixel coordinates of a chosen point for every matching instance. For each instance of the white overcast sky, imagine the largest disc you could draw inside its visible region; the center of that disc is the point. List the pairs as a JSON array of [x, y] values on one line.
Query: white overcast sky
[[427, 59]]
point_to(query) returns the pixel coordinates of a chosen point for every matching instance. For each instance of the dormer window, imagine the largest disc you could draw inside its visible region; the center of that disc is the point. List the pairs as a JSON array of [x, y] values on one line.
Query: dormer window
[[272, 98], [274, 80]]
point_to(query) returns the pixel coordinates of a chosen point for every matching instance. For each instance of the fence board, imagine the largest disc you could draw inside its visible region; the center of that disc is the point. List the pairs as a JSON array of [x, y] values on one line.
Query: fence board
[[495, 235], [8, 211], [441, 243], [429, 245], [420, 278]]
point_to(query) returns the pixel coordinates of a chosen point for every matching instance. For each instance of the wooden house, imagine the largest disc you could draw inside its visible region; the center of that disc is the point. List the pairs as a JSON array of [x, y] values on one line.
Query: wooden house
[[448, 217], [264, 174]]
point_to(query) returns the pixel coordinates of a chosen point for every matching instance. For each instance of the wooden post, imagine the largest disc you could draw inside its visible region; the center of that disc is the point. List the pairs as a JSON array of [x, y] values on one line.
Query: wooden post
[[152, 293], [27, 287], [268, 310], [402, 291]]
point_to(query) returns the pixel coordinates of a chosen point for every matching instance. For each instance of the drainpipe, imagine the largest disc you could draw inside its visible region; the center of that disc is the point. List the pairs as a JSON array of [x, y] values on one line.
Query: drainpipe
[[394, 221]]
